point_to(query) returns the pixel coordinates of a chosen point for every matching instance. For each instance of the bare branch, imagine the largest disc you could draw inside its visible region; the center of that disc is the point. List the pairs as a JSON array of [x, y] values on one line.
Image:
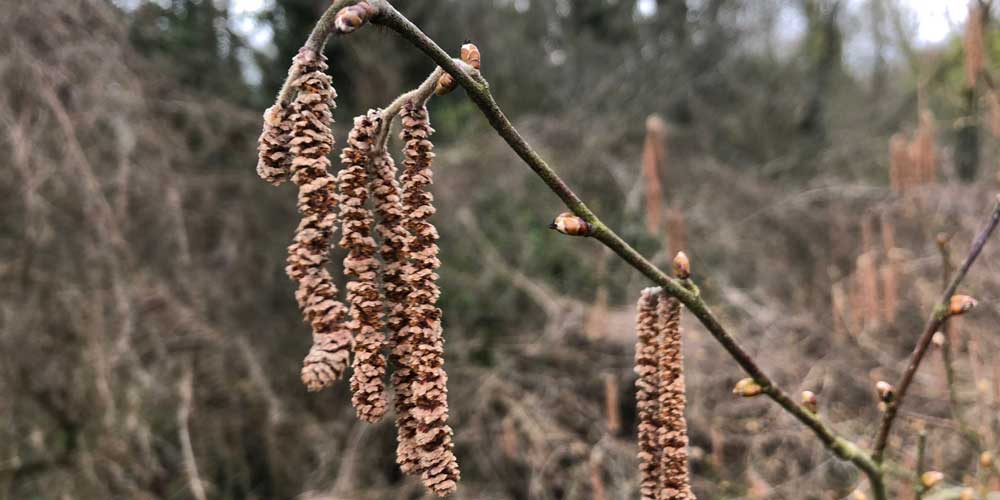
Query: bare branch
[[938, 317], [478, 91]]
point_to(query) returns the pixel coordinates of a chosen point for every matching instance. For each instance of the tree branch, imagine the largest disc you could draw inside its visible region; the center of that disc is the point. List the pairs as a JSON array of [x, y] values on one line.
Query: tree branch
[[478, 91], [938, 318], [317, 40]]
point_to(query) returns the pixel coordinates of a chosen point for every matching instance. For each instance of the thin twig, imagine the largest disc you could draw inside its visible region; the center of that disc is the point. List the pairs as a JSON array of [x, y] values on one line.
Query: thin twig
[[921, 459], [185, 389], [478, 91], [938, 317], [419, 96], [965, 429], [316, 42]]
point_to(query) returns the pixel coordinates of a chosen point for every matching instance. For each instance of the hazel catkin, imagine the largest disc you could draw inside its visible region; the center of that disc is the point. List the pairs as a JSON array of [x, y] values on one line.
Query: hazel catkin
[[647, 394], [311, 140], [362, 267], [672, 437], [433, 447]]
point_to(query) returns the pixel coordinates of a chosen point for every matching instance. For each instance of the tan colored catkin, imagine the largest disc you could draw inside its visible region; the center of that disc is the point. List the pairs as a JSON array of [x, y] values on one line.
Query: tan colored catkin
[[647, 394], [923, 150], [653, 157], [362, 267], [274, 160], [974, 51], [394, 251], [866, 279], [672, 436], [612, 413], [899, 161], [428, 406], [310, 142], [676, 229]]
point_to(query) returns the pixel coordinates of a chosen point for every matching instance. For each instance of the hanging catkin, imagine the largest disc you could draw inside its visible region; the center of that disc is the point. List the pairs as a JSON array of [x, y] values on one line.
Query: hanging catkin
[[273, 157], [395, 253], [428, 392], [310, 143], [362, 266], [672, 438], [647, 394]]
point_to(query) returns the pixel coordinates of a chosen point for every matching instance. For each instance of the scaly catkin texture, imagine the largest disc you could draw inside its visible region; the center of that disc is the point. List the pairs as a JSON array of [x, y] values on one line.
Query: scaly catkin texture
[[274, 155], [395, 254], [428, 392], [274, 160], [672, 437], [362, 266], [311, 141], [647, 393]]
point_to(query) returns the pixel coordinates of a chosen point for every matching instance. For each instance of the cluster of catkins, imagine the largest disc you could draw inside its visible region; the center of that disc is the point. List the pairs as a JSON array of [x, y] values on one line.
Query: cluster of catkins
[[390, 264], [662, 431]]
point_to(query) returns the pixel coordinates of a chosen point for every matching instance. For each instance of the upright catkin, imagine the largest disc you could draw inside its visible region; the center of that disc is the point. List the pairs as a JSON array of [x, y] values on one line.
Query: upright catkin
[[428, 392], [647, 394], [672, 437], [310, 142], [899, 161], [676, 229], [923, 149], [653, 157], [362, 267], [395, 252], [974, 51]]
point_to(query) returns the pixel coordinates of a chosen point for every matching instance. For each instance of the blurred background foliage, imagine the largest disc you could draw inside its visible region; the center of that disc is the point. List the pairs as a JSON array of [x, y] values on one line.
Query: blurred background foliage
[[150, 342]]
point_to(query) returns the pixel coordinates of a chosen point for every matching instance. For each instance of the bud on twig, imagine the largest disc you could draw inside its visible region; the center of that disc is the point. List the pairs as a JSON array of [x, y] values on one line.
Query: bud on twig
[[961, 304], [938, 339], [567, 223], [885, 391], [859, 495], [967, 494], [810, 401], [931, 479], [445, 84], [682, 266], [942, 240], [747, 388], [470, 54], [986, 459], [352, 17]]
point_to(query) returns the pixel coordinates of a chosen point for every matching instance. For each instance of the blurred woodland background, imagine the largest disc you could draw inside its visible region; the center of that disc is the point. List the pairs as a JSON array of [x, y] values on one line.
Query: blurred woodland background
[[808, 156]]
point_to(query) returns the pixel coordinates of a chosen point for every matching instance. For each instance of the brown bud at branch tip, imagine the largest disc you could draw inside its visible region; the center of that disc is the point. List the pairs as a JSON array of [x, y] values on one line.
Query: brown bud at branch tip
[[470, 54], [885, 391], [747, 388], [938, 339], [931, 479], [986, 459], [682, 266], [810, 401], [961, 304], [352, 17], [445, 84], [567, 223]]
